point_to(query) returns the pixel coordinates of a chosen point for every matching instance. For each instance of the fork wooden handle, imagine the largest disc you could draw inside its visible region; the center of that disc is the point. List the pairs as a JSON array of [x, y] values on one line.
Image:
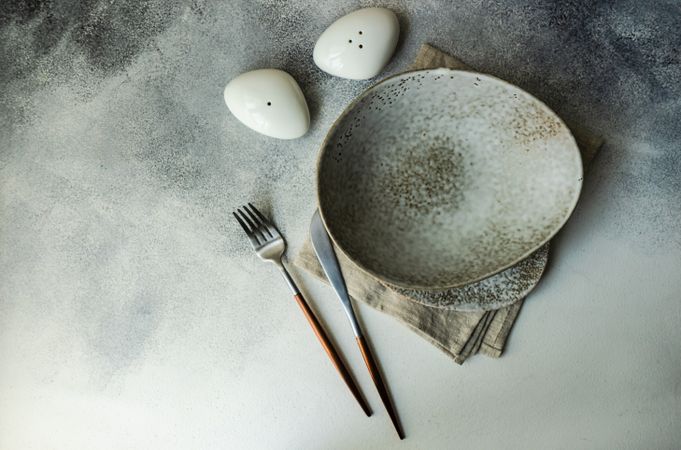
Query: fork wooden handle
[[331, 351], [380, 385]]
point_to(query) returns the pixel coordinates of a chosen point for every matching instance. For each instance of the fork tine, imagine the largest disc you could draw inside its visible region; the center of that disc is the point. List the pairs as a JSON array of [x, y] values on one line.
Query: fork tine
[[249, 233], [270, 228], [256, 230], [253, 217], [263, 218], [259, 220], [241, 222]]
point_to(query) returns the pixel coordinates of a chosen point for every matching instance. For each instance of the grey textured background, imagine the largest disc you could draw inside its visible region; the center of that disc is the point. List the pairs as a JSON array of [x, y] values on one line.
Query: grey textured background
[[130, 315]]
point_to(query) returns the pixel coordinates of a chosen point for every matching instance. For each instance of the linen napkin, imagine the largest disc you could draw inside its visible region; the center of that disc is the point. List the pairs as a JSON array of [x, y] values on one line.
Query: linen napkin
[[459, 334]]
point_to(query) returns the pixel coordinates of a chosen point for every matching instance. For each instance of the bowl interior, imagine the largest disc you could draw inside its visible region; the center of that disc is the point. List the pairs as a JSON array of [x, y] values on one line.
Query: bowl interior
[[438, 178]]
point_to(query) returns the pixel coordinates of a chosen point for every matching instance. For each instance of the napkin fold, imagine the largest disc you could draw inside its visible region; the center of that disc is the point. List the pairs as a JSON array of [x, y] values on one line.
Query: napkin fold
[[459, 334]]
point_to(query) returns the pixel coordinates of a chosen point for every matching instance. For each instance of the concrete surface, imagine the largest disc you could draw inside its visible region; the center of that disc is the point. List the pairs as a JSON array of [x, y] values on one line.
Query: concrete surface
[[134, 315]]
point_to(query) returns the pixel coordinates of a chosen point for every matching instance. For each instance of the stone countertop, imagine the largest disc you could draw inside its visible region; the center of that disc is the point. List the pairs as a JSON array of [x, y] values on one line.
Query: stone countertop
[[133, 313]]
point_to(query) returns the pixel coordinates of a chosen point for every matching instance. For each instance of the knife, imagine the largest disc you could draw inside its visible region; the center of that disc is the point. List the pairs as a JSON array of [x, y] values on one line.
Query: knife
[[321, 242]]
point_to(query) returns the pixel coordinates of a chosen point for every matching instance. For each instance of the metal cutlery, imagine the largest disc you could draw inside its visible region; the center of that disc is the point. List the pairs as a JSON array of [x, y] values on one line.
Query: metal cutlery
[[327, 257], [270, 246]]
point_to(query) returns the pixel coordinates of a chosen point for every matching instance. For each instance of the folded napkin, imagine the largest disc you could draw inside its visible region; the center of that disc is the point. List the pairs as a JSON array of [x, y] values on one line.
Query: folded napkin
[[459, 334]]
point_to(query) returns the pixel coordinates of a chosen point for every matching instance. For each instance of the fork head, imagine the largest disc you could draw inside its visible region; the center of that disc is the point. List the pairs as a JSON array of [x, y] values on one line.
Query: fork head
[[266, 240]]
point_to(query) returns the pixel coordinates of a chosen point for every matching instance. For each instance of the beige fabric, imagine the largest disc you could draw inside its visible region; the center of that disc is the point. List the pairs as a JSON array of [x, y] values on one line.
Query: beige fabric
[[458, 334]]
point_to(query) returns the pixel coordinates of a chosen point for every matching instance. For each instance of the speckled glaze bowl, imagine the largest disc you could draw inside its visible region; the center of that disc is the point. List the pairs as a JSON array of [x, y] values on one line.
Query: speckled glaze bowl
[[435, 179], [497, 291]]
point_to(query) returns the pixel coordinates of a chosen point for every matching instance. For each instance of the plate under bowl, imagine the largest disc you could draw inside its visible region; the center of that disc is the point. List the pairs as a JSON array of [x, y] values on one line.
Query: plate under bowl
[[438, 178]]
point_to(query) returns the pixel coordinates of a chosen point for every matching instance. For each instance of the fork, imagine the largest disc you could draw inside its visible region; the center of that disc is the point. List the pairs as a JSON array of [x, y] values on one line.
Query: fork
[[270, 245]]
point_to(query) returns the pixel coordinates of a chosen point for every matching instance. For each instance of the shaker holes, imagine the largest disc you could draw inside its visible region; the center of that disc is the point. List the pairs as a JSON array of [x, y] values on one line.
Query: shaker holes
[[269, 103]]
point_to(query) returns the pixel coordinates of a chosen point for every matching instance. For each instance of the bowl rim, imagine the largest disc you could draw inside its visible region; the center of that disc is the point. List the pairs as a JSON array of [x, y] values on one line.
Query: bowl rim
[[400, 283]]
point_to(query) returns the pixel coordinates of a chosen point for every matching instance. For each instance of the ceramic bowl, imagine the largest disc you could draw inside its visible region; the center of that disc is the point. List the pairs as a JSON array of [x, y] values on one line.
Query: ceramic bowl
[[497, 291], [434, 179]]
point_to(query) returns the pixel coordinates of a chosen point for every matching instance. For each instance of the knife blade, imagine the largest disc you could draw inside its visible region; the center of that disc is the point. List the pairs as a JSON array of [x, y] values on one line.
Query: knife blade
[[327, 258]]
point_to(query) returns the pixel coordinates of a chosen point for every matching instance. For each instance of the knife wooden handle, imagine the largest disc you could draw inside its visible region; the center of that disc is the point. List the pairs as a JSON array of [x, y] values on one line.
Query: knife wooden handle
[[331, 351], [380, 385]]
